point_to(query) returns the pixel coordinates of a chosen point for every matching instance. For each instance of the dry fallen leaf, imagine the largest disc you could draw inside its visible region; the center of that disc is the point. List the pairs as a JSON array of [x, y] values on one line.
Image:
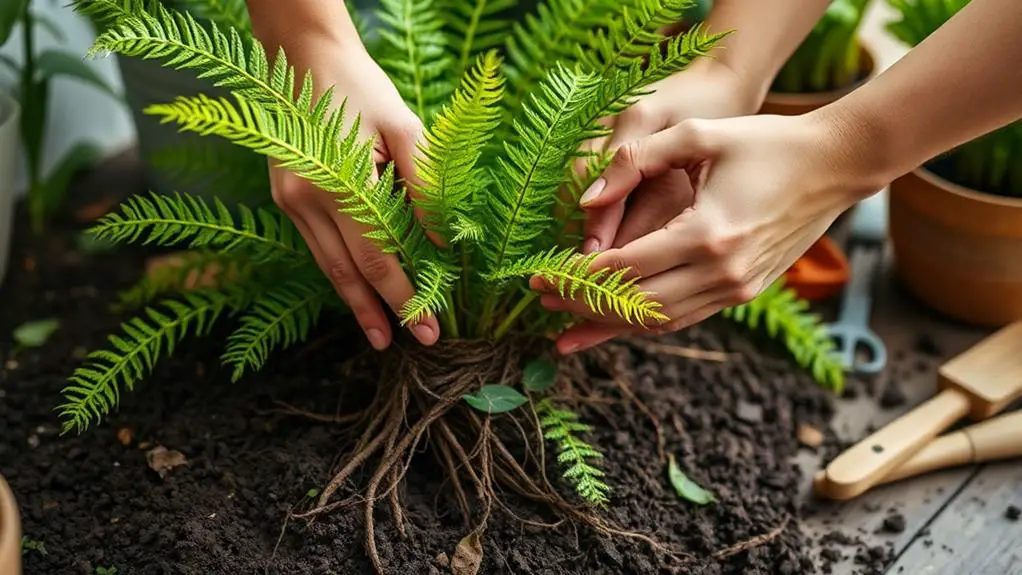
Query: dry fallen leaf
[[810, 436], [161, 460], [125, 435], [468, 556]]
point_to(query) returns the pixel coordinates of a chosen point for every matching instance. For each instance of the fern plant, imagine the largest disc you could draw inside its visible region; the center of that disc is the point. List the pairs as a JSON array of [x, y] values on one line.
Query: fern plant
[[830, 58], [988, 163]]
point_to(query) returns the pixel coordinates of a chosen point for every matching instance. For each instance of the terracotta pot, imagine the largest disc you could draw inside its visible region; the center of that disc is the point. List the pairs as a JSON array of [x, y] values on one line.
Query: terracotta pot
[[958, 250], [10, 532], [794, 104]]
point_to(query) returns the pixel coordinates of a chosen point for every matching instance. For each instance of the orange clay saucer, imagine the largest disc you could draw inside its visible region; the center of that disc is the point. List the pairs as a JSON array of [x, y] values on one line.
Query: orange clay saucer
[[820, 273]]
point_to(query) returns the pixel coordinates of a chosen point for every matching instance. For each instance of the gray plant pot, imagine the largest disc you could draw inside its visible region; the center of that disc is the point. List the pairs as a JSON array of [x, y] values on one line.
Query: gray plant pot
[[10, 112]]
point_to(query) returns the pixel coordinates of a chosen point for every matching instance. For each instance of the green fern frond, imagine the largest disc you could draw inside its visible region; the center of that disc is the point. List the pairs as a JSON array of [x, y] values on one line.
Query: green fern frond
[[320, 153], [623, 86], [466, 230], [414, 54], [226, 13], [628, 35], [106, 12], [279, 318], [95, 388], [432, 284], [474, 27], [547, 135], [182, 219], [227, 60], [545, 40], [576, 456], [568, 225], [220, 267], [453, 145], [786, 317], [602, 290]]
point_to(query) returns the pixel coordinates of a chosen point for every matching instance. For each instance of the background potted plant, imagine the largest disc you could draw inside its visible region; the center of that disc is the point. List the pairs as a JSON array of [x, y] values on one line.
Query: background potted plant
[[32, 80], [9, 114], [829, 63], [10, 532], [956, 221]]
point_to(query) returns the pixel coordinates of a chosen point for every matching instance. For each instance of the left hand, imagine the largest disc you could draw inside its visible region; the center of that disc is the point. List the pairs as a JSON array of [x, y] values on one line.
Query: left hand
[[707, 89]]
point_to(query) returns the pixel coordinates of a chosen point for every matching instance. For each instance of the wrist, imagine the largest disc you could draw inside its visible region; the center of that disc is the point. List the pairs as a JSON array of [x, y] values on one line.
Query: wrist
[[855, 148], [748, 89]]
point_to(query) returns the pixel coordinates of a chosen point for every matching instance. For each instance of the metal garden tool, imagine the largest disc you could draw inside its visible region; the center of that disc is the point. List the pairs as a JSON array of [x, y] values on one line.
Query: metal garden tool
[[980, 382], [866, 246]]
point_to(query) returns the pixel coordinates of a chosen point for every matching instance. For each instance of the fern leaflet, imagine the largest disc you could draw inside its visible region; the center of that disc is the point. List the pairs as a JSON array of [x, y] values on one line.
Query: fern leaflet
[[473, 28], [414, 54], [576, 456], [785, 317], [184, 219], [282, 316], [602, 290], [94, 388]]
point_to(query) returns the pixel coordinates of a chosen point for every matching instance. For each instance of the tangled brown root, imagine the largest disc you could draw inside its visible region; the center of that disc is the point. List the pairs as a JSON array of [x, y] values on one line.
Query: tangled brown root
[[419, 399]]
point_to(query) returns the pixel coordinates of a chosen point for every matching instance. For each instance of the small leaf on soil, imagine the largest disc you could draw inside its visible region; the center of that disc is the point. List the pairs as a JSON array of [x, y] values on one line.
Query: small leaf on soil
[[468, 556], [685, 487], [495, 399], [161, 460], [35, 333], [312, 493], [539, 375]]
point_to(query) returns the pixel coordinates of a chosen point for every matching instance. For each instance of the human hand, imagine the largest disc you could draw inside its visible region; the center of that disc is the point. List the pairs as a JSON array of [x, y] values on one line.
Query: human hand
[[708, 89], [767, 187], [359, 271]]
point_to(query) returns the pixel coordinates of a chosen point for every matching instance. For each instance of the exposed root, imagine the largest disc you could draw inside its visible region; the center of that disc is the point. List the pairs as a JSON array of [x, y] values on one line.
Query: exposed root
[[754, 542], [288, 409], [678, 351], [419, 403]]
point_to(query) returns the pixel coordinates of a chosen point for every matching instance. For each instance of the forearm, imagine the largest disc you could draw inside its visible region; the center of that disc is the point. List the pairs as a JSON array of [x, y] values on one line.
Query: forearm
[[961, 82], [765, 35], [302, 27]]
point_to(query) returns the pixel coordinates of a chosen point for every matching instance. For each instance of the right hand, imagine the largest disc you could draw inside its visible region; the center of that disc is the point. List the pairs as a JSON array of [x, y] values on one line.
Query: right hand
[[359, 271]]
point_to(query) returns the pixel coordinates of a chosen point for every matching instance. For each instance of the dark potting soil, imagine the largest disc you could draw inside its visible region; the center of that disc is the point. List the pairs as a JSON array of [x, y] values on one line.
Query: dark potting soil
[[94, 500]]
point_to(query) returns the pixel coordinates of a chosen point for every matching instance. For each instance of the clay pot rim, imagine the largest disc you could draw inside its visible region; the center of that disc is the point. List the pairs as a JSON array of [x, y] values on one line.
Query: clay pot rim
[[967, 193], [10, 522], [869, 62], [9, 109]]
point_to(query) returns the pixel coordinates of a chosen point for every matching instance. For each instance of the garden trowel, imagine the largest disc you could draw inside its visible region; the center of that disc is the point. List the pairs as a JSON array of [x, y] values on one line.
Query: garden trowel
[[980, 382]]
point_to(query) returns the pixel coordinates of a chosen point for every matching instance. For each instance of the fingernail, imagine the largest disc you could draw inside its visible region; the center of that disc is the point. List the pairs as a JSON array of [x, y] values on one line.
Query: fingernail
[[423, 333], [376, 339], [594, 191], [591, 246]]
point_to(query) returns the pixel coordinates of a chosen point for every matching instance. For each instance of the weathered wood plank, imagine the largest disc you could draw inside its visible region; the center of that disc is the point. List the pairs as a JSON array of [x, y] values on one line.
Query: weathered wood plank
[[903, 324], [972, 535]]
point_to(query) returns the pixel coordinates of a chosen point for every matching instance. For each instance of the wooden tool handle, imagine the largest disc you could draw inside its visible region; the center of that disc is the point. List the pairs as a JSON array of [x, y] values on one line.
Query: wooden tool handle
[[998, 438], [868, 462]]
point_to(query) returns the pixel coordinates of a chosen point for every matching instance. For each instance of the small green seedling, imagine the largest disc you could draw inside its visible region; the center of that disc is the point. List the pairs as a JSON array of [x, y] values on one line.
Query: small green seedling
[[685, 487], [32, 545]]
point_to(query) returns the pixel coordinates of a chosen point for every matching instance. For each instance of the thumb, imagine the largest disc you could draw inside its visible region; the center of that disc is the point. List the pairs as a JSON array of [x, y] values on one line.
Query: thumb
[[677, 148]]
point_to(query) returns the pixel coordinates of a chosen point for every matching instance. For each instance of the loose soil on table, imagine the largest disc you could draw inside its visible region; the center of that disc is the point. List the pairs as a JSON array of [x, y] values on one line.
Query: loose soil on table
[[95, 500]]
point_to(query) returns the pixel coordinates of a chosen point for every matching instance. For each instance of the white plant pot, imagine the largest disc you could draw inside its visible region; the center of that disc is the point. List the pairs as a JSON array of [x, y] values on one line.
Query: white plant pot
[[10, 112]]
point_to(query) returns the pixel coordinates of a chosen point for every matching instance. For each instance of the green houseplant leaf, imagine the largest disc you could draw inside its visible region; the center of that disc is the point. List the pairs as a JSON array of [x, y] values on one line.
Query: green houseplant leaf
[[10, 12], [495, 399], [685, 487], [35, 333], [539, 375], [54, 63]]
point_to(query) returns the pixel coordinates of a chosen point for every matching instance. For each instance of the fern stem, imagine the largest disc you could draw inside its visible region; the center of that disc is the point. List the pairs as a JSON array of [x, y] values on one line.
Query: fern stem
[[450, 319], [470, 32], [516, 311]]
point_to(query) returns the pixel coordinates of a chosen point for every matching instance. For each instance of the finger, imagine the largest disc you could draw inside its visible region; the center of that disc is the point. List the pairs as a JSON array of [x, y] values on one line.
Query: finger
[[383, 273], [587, 335], [337, 265], [681, 242], [658, 201], [680, 147], [405, 140], [602, 224]]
